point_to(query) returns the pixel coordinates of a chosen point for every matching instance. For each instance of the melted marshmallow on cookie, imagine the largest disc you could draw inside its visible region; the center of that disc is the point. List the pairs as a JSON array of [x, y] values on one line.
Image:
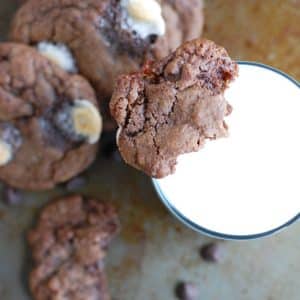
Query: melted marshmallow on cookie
[[60, 54], [79, 121], [144, 17]]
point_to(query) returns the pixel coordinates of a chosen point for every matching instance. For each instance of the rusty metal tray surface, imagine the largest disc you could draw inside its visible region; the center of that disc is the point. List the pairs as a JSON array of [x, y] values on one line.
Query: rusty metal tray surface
[[154, 250]]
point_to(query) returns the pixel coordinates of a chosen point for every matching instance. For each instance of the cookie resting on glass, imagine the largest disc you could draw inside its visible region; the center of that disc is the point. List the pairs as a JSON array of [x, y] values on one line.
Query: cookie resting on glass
[[172, 106]]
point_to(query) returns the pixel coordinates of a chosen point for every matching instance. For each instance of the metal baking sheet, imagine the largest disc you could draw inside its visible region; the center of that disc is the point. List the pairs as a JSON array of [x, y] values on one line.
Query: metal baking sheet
[[154, 250]]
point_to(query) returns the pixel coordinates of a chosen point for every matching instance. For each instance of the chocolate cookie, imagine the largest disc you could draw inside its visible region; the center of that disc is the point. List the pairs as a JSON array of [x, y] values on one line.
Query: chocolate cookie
[[172, 106], [49, 120], [69, 244], [106, 37]]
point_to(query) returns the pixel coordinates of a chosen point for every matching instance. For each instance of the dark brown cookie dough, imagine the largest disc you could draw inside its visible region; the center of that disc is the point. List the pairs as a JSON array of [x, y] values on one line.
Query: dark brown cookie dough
[[39, 145], [173, 106], [99, 37], [68, 245]]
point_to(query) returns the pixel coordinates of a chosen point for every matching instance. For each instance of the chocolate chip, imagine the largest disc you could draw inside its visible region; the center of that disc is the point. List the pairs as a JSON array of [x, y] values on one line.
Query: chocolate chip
[[52, 136], [186, 291], [211, 252], [76, 183], [153, 38], [12, 196]]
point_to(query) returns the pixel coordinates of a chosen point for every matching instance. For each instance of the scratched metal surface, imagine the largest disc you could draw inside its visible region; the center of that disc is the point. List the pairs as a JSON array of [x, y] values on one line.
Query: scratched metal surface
[[154, 250]]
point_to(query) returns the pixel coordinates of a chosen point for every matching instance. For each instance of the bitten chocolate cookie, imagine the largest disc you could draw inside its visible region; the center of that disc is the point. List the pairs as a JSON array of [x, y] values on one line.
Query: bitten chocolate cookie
[[49, 120], [172, 106], [68, 245], [104, 38]]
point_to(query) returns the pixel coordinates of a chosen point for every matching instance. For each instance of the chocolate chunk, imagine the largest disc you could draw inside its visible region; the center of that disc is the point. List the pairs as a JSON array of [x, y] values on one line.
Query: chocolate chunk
[[76, 183], [211, 252], [186, 291], [12, 196]]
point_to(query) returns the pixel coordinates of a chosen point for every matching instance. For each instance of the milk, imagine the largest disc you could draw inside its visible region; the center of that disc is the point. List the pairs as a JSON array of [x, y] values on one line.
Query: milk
[[248, 183]]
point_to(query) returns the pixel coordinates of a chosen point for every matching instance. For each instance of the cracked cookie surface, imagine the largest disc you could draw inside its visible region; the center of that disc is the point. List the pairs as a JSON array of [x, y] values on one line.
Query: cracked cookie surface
[[69, 244], [173, 106], [32, 91], [102, 47]]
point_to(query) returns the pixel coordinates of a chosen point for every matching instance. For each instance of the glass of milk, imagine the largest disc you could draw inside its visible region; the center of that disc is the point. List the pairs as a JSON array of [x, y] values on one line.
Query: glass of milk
[[247, 185]]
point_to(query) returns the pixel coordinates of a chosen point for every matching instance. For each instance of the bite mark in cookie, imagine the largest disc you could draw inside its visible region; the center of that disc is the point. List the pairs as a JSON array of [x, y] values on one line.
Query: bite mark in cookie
[[69, 244], [172, 106]]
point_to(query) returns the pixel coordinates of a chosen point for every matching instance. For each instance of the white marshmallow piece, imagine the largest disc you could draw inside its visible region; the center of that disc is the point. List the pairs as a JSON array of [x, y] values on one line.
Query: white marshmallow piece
[[144, 17], [87, 120], [5, 153], [60, 54]]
